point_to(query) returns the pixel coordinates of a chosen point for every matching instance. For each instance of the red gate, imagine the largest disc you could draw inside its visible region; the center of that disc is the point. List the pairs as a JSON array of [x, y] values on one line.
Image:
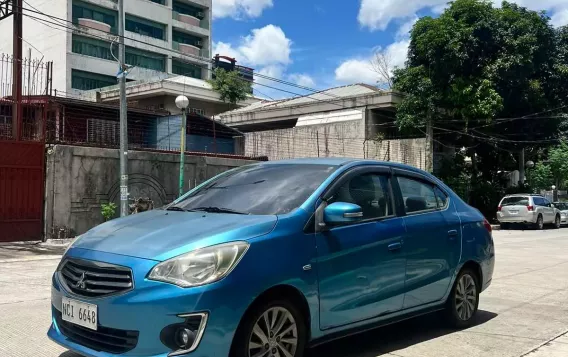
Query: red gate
[[21, 190]]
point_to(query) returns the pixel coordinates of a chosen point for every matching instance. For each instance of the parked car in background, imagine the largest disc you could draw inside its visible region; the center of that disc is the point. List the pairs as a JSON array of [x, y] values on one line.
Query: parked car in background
[[527, 209], [563, 208], [270, 258]]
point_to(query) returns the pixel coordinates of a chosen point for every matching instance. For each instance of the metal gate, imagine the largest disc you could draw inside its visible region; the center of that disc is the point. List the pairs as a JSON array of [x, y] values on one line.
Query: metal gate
[[21, 190]]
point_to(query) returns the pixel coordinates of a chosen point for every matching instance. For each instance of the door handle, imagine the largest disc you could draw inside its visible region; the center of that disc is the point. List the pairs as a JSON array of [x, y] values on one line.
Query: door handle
[[452, 233], [395, 246]]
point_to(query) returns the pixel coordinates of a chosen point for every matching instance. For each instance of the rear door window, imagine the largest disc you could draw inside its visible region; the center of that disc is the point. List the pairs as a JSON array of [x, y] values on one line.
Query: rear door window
[[538, 201], [418, 196], [515, 201]]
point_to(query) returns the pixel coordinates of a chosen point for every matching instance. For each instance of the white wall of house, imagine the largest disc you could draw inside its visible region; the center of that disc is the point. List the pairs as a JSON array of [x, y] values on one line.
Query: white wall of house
[[339, 139]]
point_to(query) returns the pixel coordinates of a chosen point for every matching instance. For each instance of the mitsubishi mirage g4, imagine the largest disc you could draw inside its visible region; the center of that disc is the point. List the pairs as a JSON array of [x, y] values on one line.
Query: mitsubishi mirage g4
[[268, 259]]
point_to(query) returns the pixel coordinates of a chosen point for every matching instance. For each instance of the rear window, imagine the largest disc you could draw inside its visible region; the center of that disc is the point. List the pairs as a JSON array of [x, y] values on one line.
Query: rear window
[[561, 205], [515, 201]]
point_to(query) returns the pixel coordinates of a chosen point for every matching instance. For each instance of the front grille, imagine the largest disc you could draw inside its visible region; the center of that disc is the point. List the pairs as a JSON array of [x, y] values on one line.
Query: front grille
[[105, 339], [94, 279]]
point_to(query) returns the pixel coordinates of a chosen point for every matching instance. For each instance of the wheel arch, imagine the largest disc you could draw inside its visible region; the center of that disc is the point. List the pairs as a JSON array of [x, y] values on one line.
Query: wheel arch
[[288, 292], [476, 267]]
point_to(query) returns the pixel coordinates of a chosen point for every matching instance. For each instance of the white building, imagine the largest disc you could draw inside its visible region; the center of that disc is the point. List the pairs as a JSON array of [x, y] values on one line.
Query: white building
[[81, 55], [355, 121]]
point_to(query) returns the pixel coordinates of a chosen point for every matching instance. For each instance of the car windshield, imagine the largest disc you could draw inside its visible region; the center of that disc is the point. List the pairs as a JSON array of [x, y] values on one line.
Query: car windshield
[[515, 201], [258, 189], [561, 205]]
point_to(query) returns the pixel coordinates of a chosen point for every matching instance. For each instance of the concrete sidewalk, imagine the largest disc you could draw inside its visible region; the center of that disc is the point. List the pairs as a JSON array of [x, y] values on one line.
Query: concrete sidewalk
[[23, 251]]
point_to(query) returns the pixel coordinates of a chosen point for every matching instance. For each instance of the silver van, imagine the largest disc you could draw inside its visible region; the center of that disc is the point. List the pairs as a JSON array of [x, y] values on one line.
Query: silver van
[[528, 209]]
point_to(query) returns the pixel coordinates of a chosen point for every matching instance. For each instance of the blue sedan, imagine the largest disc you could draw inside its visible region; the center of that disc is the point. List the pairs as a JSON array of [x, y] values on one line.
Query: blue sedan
[[268, 259]]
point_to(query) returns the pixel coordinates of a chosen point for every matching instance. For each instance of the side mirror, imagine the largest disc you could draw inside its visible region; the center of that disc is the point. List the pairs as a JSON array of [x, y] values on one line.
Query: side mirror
[[341, 213]]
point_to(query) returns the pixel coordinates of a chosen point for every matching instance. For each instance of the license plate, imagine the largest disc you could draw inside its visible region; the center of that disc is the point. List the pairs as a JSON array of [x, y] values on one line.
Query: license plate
[[79, 313], [513, 212]]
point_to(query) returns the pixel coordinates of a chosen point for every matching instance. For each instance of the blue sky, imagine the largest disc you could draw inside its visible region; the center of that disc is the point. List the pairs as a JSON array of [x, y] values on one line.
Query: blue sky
[[325, 43]]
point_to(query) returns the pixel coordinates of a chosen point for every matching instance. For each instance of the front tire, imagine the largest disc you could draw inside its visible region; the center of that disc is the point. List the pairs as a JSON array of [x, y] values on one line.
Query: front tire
[[463, 302], [271, 329], [557, 222]]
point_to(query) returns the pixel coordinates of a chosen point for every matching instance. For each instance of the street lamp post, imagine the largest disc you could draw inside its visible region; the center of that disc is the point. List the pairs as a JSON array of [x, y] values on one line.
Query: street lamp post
[[182, 103], [554, 193]]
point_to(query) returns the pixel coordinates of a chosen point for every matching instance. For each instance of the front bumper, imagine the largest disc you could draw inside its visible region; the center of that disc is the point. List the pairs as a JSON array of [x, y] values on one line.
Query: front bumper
[[151, 306]]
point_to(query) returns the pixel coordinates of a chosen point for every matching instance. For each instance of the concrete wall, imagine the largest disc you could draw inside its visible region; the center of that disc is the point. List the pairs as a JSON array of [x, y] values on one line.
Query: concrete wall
[[79, 179], [344, 139]]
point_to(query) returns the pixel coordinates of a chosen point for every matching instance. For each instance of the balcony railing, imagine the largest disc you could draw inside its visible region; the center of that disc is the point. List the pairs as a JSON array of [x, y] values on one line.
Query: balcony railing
[[94, 24], [191, 20], [190, 49]]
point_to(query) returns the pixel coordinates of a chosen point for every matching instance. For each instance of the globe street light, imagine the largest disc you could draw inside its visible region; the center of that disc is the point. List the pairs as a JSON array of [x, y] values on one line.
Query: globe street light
[[182, 103]]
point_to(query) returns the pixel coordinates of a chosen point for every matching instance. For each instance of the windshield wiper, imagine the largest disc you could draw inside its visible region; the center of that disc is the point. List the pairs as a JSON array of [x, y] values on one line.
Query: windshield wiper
[[176, 208], [218, 210]]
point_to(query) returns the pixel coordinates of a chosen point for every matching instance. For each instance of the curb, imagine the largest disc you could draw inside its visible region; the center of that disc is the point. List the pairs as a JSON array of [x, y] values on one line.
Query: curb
[[495, 227]]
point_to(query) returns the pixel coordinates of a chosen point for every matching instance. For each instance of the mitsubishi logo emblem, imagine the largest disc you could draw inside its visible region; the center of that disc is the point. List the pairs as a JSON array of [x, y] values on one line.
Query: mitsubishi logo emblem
[[81, 282]]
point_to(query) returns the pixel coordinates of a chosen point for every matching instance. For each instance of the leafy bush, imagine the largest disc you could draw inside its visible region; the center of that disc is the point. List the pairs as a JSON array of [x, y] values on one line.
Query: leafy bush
[[108, 210]]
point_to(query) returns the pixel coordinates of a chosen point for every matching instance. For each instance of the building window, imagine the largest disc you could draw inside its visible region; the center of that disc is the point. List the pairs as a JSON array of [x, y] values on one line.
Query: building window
[[134, 57], [186, 38], [86, 11], [187, 9], [88, 80], [145, 59], [90, 47], [145, 27], [186, 69], [161, 2]]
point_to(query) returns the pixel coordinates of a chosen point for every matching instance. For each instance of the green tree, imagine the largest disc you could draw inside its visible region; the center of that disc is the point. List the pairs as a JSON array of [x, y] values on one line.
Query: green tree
[[476, 63], [230, 85], [558, 162], [108, 210], [540, 177]]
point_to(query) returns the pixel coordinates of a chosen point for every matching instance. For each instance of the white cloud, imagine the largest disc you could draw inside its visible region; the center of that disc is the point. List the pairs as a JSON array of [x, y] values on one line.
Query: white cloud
[[360, 70], [377, 14], [265, 46], [356, 71], [302, 79], [406, 27], [560, 18], [239, 9]]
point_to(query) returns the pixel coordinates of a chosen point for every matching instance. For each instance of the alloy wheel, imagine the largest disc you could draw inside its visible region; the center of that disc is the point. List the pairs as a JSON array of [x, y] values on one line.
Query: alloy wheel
[[540, 222], [275, 334], [466, 297], [557, 222]]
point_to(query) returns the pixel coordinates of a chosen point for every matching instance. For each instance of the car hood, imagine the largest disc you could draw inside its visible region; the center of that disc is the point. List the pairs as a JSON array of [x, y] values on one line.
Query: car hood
[[160, 235]]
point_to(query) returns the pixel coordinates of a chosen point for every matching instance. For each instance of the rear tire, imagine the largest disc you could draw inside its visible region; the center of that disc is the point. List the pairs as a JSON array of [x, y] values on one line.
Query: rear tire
[[539, 225], [557, 222], [255, 334], [463, 302]]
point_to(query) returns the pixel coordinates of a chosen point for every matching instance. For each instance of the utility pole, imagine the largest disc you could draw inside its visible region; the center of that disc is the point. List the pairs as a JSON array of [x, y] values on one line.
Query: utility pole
[[522, 167], [123, 123], [182, 103], [17, 70]]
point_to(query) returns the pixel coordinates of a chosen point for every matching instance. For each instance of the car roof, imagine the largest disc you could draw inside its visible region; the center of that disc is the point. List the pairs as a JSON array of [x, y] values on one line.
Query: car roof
[[340, 161]]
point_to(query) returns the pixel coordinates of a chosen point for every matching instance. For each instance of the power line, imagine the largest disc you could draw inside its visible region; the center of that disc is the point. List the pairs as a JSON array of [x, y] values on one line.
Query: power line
[[200, 58], [72, 30]]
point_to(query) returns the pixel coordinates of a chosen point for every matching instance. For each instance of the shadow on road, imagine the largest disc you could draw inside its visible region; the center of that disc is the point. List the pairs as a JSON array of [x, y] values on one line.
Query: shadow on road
[[385, 339], [393, 337], [29, 249]]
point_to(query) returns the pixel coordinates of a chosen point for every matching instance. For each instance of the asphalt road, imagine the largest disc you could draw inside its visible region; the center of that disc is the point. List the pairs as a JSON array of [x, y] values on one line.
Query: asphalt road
[[523, 313]]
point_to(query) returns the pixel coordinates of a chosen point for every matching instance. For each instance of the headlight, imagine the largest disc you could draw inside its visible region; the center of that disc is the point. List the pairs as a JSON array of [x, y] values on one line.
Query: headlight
[[200, 267]]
